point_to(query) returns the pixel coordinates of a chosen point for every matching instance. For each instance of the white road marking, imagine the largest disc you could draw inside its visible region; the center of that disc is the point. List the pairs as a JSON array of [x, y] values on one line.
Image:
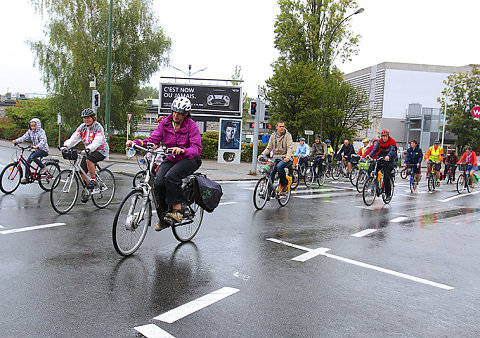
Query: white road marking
[[1, 226], [323, 195], [323, 252], [364, 232], [310, 254], [399, 219], [35, 227], [195, 305], [152, 331], [459, 195], [227, 203], [315, 190]]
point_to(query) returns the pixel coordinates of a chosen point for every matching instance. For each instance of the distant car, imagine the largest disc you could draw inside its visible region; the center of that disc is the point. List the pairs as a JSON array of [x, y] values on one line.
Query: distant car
[[218, 98]]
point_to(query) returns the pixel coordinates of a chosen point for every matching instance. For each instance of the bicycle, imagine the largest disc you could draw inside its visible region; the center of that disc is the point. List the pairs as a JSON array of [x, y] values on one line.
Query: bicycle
[[65, 187], [12, 174], [265, 189], [464, 181], [313, 173], [134, 214], [450, 173], [354, 170], [328, 169], [413, 182], [374, 185], [432, 178], [362, 174]]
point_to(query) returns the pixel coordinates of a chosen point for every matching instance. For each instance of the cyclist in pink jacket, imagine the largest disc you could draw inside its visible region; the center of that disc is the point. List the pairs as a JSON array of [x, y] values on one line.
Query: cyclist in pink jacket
[[182, 137]]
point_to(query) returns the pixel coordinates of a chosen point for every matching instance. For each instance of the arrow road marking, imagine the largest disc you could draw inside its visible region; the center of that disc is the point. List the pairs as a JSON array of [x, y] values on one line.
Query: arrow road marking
[[323, 252]]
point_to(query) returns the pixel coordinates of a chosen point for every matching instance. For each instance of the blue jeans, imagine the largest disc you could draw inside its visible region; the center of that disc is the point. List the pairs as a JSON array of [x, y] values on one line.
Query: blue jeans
[[280, 167], [36, 157]]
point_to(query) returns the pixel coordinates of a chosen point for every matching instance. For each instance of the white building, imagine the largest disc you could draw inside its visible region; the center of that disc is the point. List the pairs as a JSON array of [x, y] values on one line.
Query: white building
[[392, 87]]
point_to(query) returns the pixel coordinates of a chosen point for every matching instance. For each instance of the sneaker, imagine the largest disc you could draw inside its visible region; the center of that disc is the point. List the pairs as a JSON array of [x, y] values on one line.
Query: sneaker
[[43, 170], [24, 181], [438, 183], [92, 184], [175, 215], [85, 196], [161, 224]]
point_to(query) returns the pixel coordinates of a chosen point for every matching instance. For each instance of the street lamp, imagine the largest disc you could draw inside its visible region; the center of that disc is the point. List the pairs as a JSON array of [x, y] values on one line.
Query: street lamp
[[189, 74], [445, 111]]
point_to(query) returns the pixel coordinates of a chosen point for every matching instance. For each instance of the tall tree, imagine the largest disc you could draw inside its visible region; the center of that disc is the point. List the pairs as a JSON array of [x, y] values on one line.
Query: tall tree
[[76, 50], [463, 93]]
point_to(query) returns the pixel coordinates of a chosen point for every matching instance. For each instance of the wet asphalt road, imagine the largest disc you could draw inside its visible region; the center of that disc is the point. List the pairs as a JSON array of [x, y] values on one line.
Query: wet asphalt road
[[415, 274]]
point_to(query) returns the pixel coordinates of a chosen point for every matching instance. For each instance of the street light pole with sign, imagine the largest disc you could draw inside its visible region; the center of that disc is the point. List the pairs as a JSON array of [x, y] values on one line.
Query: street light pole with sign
[[129, 118]]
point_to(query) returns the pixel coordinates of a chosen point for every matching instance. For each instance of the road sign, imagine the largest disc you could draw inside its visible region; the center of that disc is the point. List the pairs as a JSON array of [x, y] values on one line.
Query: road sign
[[476, 111], [308, 132], [129, 117]]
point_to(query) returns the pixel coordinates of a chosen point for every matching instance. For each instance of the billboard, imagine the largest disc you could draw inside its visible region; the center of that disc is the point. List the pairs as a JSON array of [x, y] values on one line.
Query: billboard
[[217, 101]]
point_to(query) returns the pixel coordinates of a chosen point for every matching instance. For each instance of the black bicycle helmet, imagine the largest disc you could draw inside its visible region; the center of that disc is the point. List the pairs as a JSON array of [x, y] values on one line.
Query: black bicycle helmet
[[88, 112]]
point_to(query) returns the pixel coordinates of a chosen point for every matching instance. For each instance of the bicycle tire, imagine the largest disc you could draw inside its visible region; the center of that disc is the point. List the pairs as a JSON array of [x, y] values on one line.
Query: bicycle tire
[[413, 182], [295, 179], [403, 173], [139, 178], [431, 183], [321, 178], [469, 182], [9, 183], [361, 179], [106, 182], [185, 231], [260, 193], [283, 198], [353, 175], [309, 176], [461, 183], [392, 189], [337, 171], [46, 180], [64, 192], [369, 192], [127, 233]]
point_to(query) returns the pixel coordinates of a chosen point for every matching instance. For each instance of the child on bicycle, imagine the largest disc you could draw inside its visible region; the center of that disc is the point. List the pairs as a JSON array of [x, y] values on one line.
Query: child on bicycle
[[91, 133], [37, 135]]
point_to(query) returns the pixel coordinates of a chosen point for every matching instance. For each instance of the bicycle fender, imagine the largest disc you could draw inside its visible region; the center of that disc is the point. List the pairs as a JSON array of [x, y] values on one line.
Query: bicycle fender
[[108, 166]]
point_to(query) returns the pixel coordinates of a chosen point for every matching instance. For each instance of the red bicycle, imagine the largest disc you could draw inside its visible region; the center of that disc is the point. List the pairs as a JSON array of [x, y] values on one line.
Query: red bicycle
[[12, 174]]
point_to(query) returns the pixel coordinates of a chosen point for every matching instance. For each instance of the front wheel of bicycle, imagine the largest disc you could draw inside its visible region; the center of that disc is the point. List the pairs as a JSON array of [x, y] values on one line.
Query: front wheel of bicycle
[[369, 191], [46, 180], [413, 182], [260, 194], [103, 195], [64, 192], [10, 177], [309, 176], [361, 178], [431, 183], [403, 173], [353, 175], [461, 183], [131, 222], [321, 177], [337, 171], [186, 230], [284, 197]]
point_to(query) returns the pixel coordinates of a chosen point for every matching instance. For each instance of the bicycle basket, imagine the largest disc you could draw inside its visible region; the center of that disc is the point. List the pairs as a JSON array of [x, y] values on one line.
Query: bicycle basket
[[463, 167], [70, 154], [267, 167], [355, 159], [363, 165]]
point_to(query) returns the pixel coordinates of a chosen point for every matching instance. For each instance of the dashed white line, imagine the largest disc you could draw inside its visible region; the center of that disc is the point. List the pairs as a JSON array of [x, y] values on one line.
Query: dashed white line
[[364, 232], [399, 219], [35, 227], [195, 305], [227, 203], [152, 331], [289, 244]]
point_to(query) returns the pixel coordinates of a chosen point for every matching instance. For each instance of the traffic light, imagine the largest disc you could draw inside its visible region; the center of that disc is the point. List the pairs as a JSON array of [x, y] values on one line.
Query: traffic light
[[96, 100], [253, 107]]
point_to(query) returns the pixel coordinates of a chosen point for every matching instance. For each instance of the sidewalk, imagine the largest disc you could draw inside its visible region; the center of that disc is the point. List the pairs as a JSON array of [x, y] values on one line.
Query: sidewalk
[[213, 170]]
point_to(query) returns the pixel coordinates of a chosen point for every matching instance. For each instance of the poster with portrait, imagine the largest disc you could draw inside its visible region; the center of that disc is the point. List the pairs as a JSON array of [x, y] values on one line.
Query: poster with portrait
[[229, 145]]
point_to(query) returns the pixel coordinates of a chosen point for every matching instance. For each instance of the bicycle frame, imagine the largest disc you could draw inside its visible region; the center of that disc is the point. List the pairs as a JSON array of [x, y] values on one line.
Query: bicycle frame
[[21, 160]]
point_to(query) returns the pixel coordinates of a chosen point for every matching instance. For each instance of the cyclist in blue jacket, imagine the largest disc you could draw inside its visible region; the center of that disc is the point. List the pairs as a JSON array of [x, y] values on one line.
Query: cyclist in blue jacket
[[303, 152], [414, 156]]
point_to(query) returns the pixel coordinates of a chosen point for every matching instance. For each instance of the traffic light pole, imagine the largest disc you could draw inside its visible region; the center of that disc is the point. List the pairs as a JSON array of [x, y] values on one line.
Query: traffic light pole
[[256, 127], [109, 73]]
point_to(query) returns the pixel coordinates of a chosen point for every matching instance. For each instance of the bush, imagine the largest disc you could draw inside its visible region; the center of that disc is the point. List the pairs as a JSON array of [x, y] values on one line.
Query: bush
[[209, 148], [247, 151], [210, 135]]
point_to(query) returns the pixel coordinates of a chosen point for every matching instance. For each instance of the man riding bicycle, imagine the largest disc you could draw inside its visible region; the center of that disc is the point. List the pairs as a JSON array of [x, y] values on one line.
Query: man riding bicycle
[[319, 150], [303, 152], [281, 143], [470, 158], [182, 137], [434, 155], [37, 135], [91, 133], [347, 150], [386, 148], [414, 157]]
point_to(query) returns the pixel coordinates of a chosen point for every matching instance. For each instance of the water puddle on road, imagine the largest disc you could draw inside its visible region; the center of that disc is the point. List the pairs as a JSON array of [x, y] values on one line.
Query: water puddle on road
[[435, 217]]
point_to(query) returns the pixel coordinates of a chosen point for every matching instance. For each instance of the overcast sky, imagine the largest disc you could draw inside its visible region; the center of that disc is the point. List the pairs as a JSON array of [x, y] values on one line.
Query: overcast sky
[[219, 34]]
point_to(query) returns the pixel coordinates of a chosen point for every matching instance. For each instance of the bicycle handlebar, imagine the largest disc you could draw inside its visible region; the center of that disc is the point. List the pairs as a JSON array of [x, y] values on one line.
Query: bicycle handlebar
[[23, 148]]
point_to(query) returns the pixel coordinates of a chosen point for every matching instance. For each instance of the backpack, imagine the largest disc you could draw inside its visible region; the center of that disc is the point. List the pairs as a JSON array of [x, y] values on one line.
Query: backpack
[[207, 193]]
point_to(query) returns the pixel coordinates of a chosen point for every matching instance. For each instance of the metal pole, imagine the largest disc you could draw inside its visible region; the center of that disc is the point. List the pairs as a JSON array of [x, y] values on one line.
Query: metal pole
[[255, 136], [109, 73], [444, 119]]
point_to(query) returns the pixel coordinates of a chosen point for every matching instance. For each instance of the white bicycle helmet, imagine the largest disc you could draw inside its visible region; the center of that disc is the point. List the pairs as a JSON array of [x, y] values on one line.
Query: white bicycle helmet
[[181, 105], [88, 112]]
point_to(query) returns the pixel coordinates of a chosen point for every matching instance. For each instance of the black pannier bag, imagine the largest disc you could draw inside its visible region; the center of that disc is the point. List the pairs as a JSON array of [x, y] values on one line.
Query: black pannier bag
[[207, 193]]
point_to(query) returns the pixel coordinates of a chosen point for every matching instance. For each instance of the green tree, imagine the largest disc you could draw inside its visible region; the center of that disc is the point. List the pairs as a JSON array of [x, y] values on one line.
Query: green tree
[[76, 50], [25, 110], [463, 93], [147, 92]]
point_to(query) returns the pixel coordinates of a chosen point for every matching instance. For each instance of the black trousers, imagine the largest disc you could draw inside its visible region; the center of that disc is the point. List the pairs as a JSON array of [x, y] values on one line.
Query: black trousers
[[168, 182], [387, 174]]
